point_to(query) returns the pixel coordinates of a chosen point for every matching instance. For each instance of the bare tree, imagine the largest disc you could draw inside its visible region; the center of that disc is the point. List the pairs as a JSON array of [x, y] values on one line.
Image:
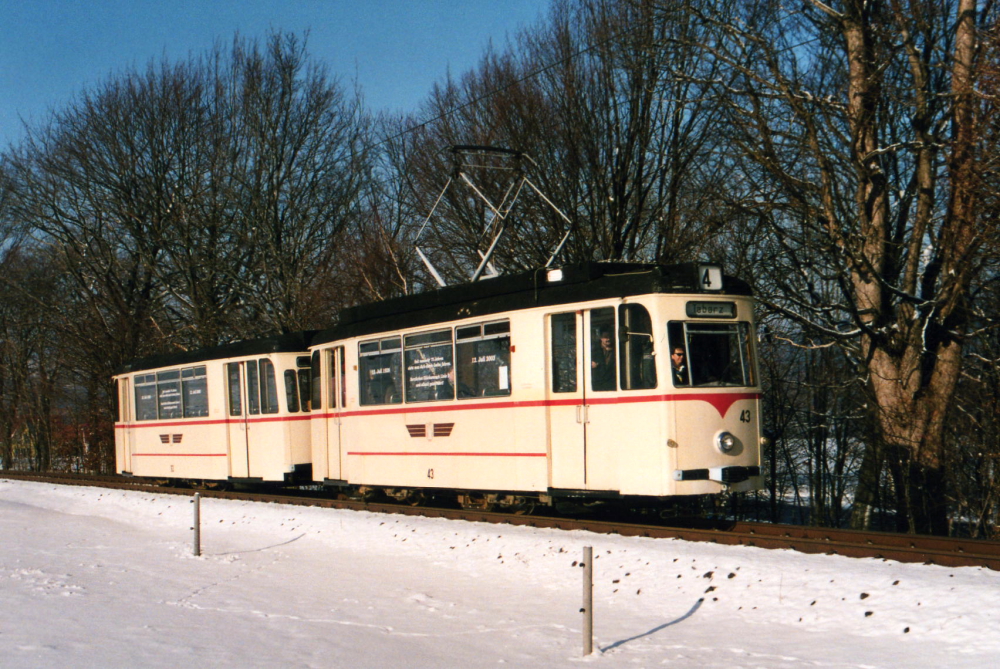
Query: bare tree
[[299, 178], [382, 262], [32, 367], [186, 205], [610, 102], [855, 127]]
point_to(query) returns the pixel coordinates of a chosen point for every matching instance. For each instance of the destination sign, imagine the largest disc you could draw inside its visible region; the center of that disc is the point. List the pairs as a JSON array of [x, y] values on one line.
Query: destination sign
[[711, 309]]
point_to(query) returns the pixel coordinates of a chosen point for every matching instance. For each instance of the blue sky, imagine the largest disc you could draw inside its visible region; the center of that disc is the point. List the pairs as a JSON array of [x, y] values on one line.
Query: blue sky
[[397, 49]]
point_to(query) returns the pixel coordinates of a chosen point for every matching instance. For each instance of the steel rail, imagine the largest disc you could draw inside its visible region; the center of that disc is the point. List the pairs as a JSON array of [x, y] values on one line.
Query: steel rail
[[942, 551]]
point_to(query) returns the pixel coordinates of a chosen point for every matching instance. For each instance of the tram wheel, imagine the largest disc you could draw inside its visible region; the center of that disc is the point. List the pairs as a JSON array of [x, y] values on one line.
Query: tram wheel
[[477, 502], [523, 508]]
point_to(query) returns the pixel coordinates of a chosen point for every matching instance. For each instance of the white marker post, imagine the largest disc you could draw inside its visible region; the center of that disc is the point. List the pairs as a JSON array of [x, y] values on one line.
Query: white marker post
[[588, 600], [197, 524]]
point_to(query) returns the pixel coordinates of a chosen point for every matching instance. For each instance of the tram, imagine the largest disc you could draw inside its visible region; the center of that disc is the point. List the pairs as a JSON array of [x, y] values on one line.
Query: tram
[[237, 412], [599, 380], [591, 381]]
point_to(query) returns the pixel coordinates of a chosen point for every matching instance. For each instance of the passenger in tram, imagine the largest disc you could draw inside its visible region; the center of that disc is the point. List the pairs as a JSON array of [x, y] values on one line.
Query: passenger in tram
[[446, 389], [391, 395], [465, 391], [647, 370], [603, 363], [678, 366]]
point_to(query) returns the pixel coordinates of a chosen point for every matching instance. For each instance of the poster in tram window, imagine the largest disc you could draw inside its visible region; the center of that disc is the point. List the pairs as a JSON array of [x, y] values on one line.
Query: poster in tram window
[[168, 394], [379, 372], [429, 374], [484, 368], [195, 387], [145, 397]]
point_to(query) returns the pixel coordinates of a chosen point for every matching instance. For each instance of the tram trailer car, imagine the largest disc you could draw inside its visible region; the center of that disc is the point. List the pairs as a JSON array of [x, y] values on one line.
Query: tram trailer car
[[552, 383], [228, 413]]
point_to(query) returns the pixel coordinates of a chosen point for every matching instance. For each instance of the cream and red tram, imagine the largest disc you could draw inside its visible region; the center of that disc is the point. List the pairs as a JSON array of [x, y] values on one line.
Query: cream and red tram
[[550, 383], [233, 412]]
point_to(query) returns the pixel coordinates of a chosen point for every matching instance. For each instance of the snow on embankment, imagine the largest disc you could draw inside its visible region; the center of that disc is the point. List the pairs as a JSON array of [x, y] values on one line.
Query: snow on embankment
[[92, 577]]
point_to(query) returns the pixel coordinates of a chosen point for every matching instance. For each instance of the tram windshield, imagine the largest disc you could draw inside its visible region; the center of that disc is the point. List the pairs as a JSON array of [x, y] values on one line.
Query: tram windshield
[[711, 354]]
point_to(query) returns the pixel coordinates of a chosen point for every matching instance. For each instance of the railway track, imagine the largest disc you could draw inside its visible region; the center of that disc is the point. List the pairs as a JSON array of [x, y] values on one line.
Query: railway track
[[943, 551]]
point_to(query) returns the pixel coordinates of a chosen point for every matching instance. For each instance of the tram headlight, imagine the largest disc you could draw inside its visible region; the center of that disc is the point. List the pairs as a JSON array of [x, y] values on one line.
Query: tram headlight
[[726, 442]]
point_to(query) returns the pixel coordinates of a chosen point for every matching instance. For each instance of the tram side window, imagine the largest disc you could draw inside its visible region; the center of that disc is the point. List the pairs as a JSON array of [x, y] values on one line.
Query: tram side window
[[380, 371], [233, 388], [301, 382], [253, 388], [194, 385], [429, 367], [343, 377], [171, 394], [291, 391], [680, 361], [268, 387], [338, 398], [638, 366], [482, 354], [602, 351], [564, 353], [305, 388], [715, 354], [316, 382], [748, 368], [145, 397], [168, 394]]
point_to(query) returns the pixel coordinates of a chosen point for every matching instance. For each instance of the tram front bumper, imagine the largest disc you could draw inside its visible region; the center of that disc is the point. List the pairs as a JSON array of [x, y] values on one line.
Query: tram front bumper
[[727, 475]]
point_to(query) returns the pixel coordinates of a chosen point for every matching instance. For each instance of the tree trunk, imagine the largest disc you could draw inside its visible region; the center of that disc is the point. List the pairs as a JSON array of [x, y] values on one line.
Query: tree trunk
[[866, 493]]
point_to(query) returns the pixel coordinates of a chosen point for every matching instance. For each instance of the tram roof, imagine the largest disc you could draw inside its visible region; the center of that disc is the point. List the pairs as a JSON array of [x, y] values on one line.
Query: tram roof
[[578, 283], [296, 342]]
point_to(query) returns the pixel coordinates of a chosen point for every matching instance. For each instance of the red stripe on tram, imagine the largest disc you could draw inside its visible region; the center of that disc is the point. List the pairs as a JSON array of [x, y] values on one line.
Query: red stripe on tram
[[721, 401], [180, 455], [475, 455]]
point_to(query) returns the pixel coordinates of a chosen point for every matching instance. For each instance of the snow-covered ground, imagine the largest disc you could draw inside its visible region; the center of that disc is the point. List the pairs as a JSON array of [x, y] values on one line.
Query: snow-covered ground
[[92, 578]]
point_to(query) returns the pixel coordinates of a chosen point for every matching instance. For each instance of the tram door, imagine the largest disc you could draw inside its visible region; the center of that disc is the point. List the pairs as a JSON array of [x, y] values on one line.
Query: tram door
[[238, 425], [338, 397], [566, 400], [582, 390]]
